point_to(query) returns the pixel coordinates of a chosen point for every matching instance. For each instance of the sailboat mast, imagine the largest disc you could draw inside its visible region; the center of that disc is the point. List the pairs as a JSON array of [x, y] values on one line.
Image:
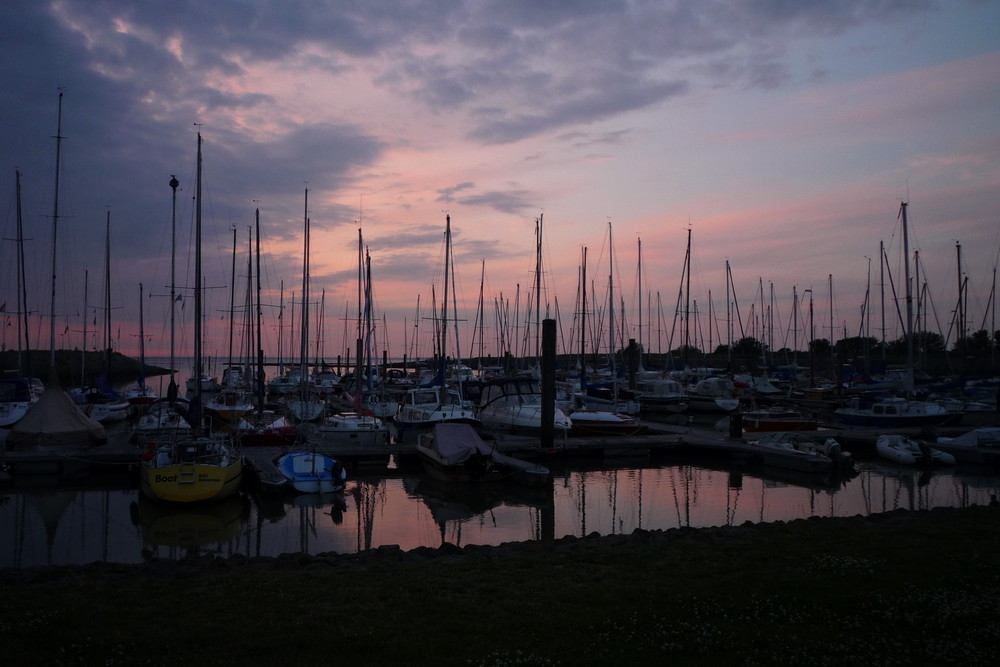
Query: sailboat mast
[[107, 289], [961, 309], [687, 298], [83, 347], [639, 269], [795, 328], [142, 345], [22, 290], [232, 297], [259, 384], [55, 228], [881, 281], [198, 370], [538, 288], [173, 278], [361, 301], [443, 347], [909, 296], [304, 334], [583, 321], [611, 300]]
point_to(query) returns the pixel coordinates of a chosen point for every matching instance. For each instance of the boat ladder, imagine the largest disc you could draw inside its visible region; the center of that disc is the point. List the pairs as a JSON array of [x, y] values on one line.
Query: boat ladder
[[187, 475]]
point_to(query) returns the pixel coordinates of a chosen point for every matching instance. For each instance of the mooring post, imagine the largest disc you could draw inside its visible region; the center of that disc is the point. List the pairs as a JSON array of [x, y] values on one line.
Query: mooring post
[[548, 382]]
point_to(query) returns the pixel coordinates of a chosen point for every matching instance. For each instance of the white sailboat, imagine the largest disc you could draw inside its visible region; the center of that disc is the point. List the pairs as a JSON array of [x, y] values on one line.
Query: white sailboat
[[166, 418], [435, 402], [103, 403], [140, 394], [357, 432], [305, 405]]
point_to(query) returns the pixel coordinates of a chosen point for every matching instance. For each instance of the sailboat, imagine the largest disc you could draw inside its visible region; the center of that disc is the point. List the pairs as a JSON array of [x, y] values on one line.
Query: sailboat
[[54, 423], [17, 394], [894, 411], [197, 467], [233, 399], [608, 396], [166, 418], [435, 402], [306, 405], [356, 432], [515, 403], [101, 402], [263, 427], [586, 411], [141, 394]]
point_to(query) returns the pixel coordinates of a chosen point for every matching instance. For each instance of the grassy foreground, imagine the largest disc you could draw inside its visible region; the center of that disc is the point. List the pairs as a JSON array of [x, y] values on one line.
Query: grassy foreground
[[901, 588]]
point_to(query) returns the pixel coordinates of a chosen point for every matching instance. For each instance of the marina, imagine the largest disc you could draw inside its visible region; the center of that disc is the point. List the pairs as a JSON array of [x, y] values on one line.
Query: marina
[[677, 477]]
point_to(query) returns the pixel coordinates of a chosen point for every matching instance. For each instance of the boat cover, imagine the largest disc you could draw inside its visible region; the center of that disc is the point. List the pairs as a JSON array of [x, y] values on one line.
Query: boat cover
[[55, 420], [457, 442]]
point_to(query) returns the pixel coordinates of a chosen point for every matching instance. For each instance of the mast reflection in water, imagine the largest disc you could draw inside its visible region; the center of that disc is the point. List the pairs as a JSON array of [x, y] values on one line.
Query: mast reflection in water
[[59, 525]]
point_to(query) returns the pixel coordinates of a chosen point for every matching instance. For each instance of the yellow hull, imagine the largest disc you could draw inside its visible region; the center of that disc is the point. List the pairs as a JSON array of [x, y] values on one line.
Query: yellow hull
[[191, 483]]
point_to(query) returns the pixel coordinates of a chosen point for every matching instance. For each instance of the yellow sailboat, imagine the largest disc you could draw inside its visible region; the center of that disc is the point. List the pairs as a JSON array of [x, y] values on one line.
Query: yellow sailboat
[[192, 470], [194, 467]]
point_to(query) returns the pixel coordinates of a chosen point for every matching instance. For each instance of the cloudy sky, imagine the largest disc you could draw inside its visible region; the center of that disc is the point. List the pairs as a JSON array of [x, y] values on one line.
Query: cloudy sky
[[782, 133]]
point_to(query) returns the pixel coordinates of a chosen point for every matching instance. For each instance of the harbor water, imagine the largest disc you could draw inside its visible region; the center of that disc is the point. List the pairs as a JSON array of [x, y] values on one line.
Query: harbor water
[[104, 517], [108, 520]]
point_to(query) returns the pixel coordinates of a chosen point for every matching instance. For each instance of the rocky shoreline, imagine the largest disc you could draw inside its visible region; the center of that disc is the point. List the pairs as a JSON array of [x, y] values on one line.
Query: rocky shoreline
[[565, 547]]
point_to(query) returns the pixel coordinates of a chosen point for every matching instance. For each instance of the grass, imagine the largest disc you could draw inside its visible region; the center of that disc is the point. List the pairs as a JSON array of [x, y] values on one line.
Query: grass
[[901, 588]]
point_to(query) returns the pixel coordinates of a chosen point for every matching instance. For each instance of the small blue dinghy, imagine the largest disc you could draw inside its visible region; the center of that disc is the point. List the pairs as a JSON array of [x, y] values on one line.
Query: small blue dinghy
[[308, 472]]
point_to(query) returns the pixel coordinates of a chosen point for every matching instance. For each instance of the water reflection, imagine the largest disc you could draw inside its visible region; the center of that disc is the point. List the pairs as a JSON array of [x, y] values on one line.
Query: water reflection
[[171, 531], [58, 525]]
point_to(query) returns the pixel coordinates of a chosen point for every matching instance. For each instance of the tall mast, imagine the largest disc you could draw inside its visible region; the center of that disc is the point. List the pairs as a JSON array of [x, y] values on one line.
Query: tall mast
[[107, 290], [232, 298], [795, 327], [687, 298], [909, 298], [55, 228], [172, 390], [961, 310], [881, 280], [443, 346], [22, 291], [538, 288], [611, 300], [304, 334], [83, 348], [361, 286], [833, 348], [198, 369], [259, 384], [142, 345], [583, 321], [640, 298]]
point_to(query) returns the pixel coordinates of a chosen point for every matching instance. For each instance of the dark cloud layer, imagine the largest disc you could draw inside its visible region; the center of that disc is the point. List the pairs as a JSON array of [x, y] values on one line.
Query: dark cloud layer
[[139, 75]]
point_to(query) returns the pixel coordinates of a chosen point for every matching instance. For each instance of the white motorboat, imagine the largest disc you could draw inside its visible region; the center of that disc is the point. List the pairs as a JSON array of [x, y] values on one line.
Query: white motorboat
[[426, 406], [981, 445], [907, 451], [515, 404], [797, 451]]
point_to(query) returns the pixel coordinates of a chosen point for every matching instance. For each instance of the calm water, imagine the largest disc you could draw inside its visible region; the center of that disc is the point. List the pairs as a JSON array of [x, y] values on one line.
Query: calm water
[[108, 520], [61, 525]]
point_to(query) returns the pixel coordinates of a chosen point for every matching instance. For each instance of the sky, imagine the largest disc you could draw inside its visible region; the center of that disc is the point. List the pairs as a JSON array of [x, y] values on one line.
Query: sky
[[780, 135]]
